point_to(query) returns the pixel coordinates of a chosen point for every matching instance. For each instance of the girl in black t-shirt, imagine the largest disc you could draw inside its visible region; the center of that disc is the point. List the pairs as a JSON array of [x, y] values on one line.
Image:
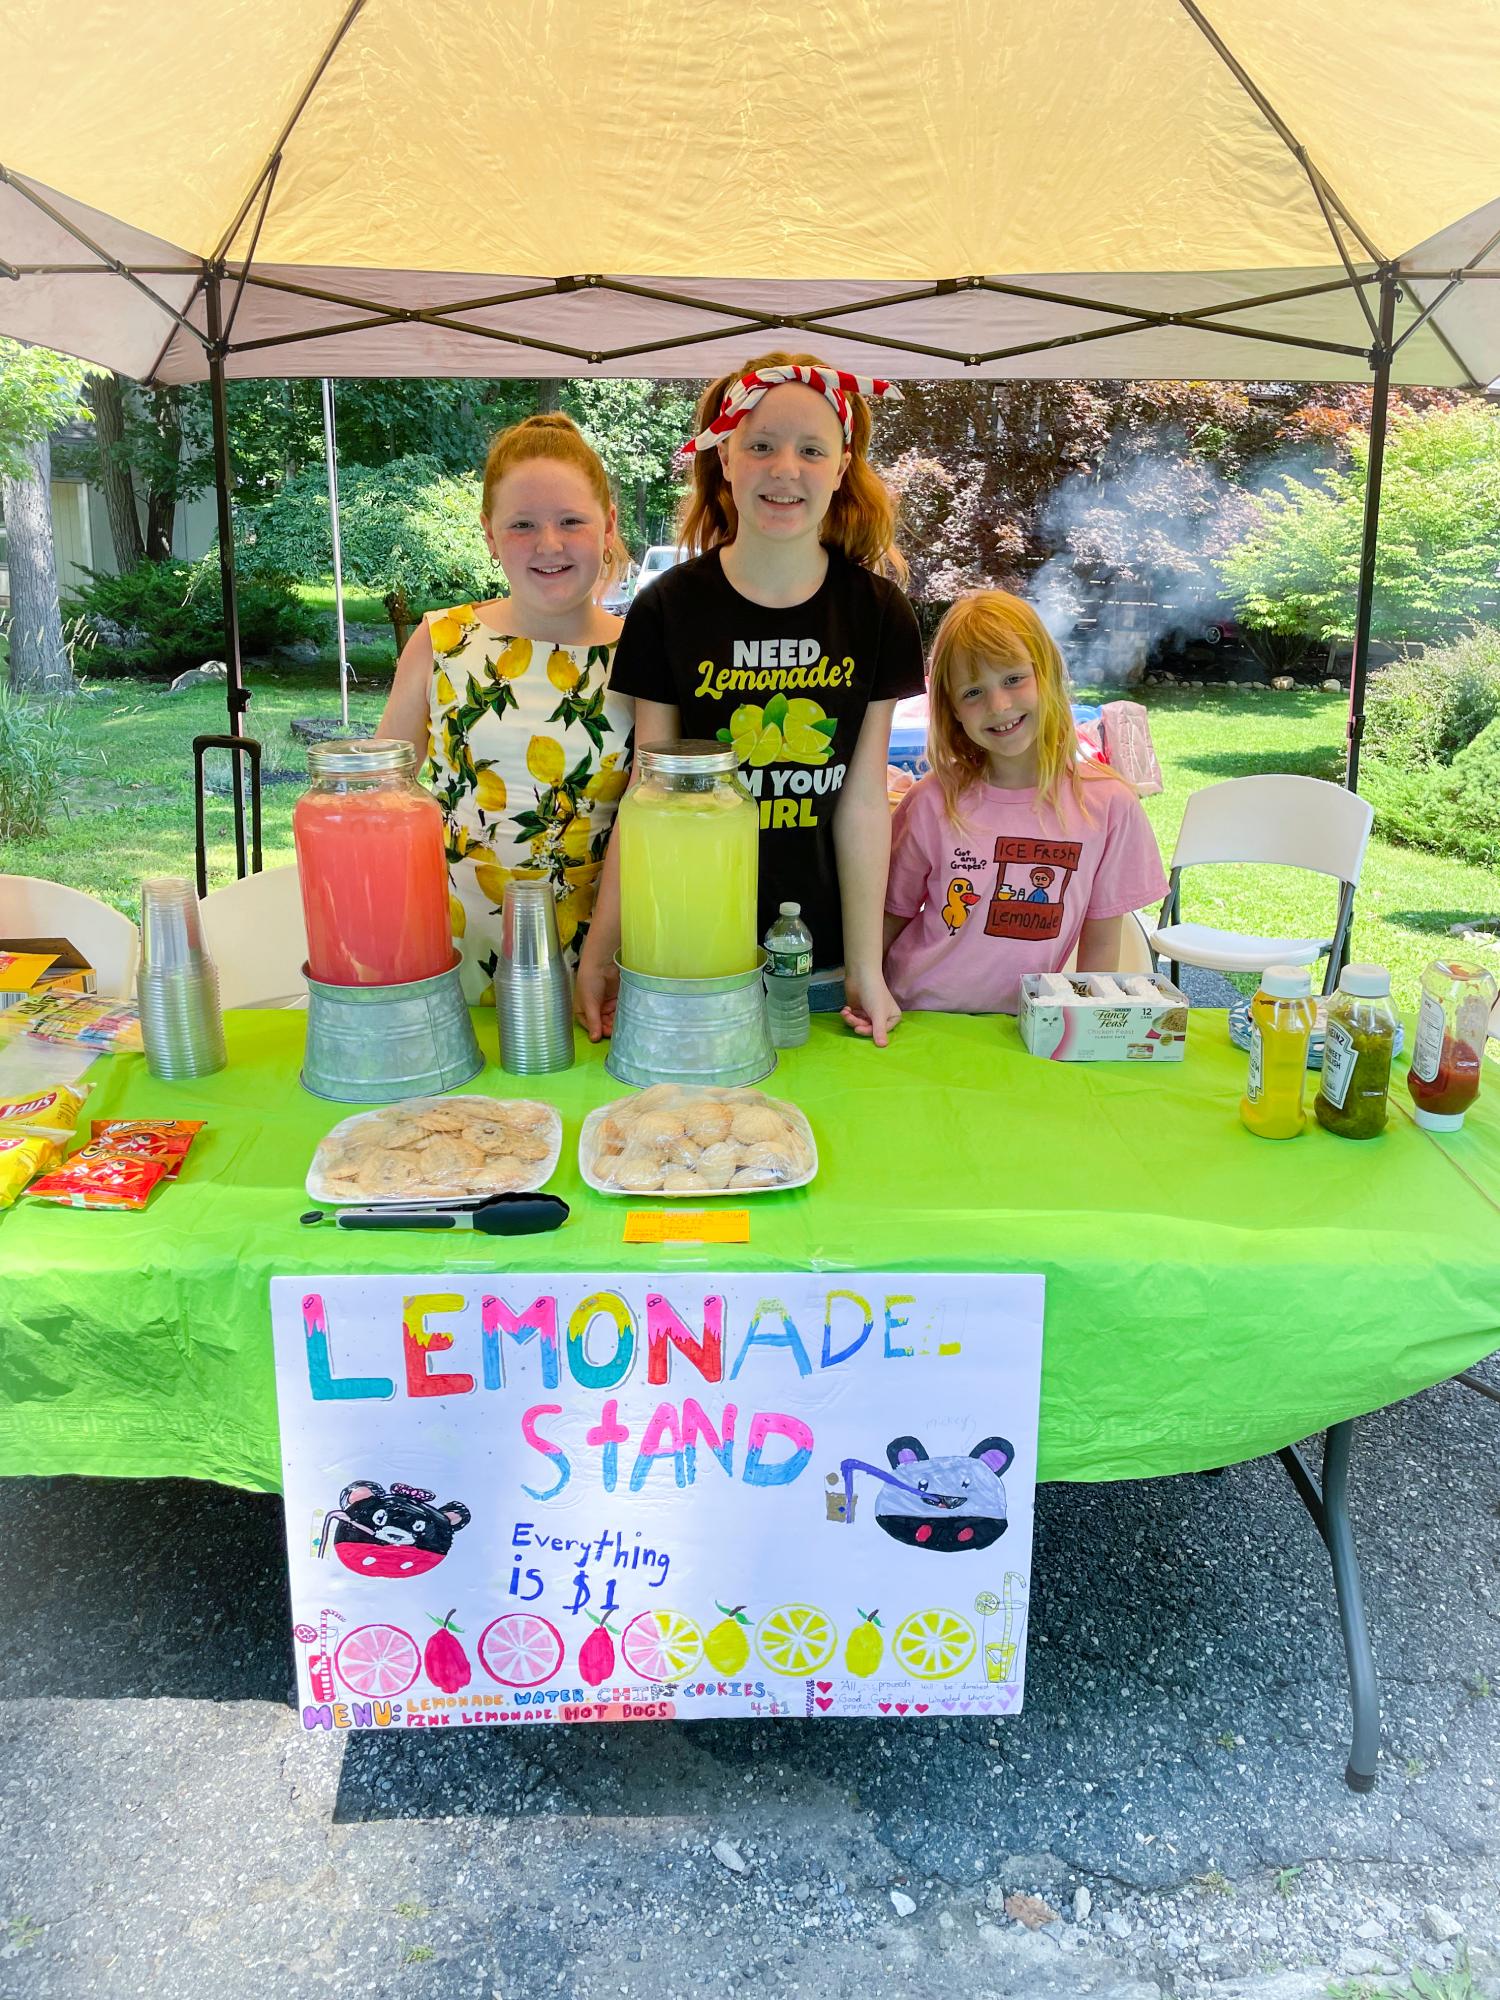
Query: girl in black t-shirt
[[781, 637]]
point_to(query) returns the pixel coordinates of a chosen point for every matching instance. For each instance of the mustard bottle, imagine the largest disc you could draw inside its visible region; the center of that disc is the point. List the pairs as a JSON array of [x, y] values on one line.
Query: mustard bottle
[[1281, 1021]]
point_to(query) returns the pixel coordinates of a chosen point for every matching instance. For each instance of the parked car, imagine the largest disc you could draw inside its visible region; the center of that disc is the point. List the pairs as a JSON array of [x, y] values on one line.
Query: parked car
[[659, 557]]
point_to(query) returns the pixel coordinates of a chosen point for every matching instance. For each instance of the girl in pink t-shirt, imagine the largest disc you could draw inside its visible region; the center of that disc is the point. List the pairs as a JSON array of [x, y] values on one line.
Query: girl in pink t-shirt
[[1015, 850]]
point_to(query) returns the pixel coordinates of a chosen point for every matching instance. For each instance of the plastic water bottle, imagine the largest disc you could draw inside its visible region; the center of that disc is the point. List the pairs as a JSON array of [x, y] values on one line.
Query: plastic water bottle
[[789, 947]]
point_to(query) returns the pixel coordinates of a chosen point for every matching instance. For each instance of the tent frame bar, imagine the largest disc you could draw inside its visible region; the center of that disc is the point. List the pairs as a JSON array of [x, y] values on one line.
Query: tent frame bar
[[1390, 293]]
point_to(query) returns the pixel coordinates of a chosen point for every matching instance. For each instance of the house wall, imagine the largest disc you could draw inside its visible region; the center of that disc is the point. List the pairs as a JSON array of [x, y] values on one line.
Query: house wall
[[72, 538]]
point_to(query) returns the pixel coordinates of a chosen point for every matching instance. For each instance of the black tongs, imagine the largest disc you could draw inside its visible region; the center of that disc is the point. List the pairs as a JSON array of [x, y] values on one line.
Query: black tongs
[[495, 1215]]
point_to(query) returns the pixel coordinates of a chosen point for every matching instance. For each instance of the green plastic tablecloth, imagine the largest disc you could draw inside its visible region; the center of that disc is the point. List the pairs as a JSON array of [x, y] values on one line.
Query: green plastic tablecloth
[[1210, 1296]]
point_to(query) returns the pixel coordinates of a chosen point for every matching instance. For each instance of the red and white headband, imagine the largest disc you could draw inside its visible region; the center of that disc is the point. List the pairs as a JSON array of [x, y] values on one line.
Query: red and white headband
[[742, 396]]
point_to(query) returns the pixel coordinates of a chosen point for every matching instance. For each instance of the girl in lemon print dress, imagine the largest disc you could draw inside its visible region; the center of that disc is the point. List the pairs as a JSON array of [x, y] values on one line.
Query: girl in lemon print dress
[[509, 701]]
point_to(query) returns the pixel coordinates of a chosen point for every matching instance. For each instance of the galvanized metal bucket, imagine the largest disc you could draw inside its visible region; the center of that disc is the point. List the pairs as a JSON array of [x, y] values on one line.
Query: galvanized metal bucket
[[378, 1044], [710, 1031]]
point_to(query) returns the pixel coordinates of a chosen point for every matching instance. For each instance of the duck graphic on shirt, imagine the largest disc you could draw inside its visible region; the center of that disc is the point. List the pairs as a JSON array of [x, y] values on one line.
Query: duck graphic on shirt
[[961, 899]]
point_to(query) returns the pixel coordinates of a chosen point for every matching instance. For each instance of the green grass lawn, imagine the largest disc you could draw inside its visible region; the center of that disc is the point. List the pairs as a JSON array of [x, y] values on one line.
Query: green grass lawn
[[128, 810], [361, 607], [1407, 899]]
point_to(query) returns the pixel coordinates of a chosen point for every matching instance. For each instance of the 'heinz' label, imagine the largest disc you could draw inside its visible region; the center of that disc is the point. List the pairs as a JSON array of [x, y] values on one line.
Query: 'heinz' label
[[1338, 1064]]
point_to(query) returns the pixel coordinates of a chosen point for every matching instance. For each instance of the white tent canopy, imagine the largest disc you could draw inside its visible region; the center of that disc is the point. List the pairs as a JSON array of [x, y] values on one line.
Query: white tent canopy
[[1125, 188]]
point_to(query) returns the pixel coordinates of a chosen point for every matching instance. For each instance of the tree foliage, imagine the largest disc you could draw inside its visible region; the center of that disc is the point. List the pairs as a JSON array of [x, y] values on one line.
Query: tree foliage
[[39, 393], [1297, 571], [408, 527], [638, 428]]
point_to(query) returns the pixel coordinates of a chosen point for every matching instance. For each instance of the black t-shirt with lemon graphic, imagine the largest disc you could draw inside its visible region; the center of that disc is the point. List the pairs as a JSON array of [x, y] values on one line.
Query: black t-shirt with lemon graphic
[[788, 687], [528, 756]]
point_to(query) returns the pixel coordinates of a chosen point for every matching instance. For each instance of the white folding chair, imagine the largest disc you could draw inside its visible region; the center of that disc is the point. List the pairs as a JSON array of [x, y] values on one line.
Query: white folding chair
[[1286, 822], [257, 938], [31, 907], [1135, 953]]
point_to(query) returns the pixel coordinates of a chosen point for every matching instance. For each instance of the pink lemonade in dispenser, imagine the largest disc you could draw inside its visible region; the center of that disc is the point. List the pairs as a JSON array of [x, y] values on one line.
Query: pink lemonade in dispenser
[[372, 866]]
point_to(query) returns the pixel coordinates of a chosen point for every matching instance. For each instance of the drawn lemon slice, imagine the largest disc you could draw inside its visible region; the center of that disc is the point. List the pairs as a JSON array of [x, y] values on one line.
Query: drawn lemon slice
[[803, 740], [934, 1645], [986, 1604], [767, 746], [661, 1645], [796, 1639], [745, 726]]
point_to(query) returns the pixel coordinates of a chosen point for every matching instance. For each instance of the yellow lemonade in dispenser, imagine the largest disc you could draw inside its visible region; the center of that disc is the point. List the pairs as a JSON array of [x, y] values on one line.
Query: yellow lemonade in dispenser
[[689, 837]]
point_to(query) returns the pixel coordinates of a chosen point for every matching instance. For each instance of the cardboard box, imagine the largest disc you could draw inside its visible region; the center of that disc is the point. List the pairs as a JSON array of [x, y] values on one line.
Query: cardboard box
[[42, 965], [1103, 1017]]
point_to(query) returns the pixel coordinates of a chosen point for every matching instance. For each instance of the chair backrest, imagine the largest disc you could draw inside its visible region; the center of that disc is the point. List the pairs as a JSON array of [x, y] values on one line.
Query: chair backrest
[[1126, 729], [31, 907], [1296, 822], [1135, 948], [257, 938]]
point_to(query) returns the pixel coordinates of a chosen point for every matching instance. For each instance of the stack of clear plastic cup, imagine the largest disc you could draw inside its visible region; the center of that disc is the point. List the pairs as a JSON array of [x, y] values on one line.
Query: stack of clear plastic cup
[[533, 994], [182, 1025]]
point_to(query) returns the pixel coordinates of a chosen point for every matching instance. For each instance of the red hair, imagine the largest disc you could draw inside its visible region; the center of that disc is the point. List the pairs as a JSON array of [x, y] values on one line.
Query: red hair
[[861, 518]]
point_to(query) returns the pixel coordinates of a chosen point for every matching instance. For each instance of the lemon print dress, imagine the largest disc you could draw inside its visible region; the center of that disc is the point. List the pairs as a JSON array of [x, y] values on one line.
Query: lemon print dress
[[528, 757]]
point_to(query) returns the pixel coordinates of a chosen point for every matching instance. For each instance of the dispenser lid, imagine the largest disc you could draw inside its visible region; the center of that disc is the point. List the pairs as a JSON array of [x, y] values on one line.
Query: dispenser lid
[[1365, 982], [693, 757], [360, 757], [1286, 982]]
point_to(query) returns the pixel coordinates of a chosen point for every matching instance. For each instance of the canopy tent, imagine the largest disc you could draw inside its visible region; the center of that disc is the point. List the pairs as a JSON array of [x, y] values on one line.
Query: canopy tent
[[1121, 188]]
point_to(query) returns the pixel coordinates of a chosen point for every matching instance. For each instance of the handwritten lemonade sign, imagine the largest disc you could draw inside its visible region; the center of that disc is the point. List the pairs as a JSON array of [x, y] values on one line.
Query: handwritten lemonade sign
[[613, 1498]]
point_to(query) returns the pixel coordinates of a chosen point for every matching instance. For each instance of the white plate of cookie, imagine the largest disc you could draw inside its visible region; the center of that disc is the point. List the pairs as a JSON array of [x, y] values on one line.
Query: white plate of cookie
[[686, 1142], [437, 1149]]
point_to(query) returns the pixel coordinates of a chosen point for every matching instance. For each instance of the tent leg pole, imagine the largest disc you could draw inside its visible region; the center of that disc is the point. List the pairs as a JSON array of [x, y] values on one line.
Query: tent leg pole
[[1359, 666], [1380, 361], [237, 698]]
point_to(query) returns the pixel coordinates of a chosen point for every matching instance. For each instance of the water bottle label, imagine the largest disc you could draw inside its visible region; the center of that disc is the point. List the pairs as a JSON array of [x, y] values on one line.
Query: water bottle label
[[791, 964], [1338, 1064]]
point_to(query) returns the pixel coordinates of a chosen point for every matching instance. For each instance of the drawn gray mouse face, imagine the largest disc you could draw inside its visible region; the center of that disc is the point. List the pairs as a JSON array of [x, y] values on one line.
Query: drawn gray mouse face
[[948, 1504]]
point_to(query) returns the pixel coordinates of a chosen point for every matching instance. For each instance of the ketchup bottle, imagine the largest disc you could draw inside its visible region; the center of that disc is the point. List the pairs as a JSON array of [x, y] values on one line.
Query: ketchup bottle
[[1452, 1023]]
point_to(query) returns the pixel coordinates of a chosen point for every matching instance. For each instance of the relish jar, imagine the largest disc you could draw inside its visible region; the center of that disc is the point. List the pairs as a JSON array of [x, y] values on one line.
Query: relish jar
[[1358, 1044], [372, 867], [689, 835]]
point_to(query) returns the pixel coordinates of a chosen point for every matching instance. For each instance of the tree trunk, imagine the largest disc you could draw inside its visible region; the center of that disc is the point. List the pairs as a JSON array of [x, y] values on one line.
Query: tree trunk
[[108, 405], [161, 504], [548, 394], [640, 512], [403, 620], [39, 662]]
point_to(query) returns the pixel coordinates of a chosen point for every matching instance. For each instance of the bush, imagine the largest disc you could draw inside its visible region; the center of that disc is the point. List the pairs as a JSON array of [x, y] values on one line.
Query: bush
[[163, 616], [36, 754], [407, 526], [1452, 809], [1427, 707]]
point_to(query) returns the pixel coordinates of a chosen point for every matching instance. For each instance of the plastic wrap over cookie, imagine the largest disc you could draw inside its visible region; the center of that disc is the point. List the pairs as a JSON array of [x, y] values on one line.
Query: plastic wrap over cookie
[[438, 1149], [688, 1142]]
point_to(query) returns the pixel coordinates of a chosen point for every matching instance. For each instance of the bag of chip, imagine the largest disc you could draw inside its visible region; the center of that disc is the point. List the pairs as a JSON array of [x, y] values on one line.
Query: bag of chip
[[98, 1178], [21, 1156], [164, 1139], [52, 1110]]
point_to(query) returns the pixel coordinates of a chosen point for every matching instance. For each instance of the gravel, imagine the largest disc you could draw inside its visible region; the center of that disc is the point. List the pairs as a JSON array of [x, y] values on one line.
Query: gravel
[[1174, 1789]]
